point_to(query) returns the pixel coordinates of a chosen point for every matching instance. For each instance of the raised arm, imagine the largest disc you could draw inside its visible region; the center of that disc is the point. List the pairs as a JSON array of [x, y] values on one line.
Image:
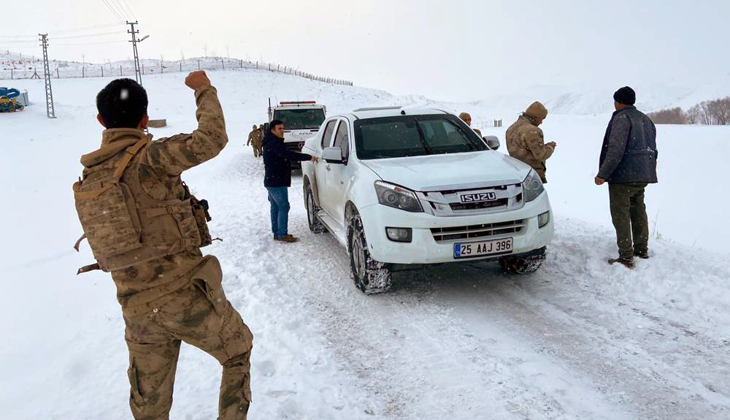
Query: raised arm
[[178, 153]]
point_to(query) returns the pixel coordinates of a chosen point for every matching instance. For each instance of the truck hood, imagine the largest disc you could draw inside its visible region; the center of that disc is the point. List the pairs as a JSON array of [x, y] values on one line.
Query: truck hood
[[450, 171]]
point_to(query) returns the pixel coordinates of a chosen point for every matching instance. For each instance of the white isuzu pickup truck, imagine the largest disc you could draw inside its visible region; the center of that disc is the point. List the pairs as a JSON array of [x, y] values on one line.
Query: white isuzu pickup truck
[[399, 186]]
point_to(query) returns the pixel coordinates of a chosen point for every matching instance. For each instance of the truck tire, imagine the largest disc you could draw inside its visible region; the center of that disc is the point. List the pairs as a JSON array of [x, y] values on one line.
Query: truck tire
[[315, 225], [370, 276], [523, 264]]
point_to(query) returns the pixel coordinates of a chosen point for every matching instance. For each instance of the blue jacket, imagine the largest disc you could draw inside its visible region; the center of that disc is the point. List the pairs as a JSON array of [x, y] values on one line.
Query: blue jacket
[[277, 160]]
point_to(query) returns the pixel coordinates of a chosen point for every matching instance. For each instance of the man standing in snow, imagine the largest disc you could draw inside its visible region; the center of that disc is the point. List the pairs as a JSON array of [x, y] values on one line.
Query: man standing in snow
[[525, 140], [628, 163], [277, 179], [145, 227]]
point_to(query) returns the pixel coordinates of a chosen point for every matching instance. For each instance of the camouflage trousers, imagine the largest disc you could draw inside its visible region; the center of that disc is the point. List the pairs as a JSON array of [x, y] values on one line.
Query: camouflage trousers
[[628, 213], [199, 315]]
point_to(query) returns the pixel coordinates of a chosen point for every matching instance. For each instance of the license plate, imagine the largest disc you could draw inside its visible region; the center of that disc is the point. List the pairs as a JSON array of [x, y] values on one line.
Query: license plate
[[480, 249], [478, 198]]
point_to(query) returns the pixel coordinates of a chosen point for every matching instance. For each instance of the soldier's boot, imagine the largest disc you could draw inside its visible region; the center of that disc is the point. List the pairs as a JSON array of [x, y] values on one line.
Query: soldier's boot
[[626, 262]]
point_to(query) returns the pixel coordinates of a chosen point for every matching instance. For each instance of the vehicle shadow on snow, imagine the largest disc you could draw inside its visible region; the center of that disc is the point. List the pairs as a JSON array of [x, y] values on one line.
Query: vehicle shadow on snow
[[455, 276]]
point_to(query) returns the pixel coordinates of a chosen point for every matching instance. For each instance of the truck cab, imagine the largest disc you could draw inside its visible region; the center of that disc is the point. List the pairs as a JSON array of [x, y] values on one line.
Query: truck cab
[[302, 120]]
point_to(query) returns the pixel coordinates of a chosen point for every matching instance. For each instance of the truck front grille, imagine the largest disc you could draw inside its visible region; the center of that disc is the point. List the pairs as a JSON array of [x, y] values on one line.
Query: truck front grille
[[477, 231], [477, 206]]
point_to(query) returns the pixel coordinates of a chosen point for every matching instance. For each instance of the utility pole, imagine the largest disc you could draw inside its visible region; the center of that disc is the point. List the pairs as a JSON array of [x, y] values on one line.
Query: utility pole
[[134, 41], [50, 109]]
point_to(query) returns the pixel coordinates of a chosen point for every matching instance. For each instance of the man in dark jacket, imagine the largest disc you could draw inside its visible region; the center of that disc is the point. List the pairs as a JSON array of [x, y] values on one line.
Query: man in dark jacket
[[628, 163], [277, 178]]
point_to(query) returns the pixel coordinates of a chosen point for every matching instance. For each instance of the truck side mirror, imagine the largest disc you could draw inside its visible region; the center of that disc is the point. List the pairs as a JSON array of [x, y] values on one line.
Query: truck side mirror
[[333, 155], [492, 142]]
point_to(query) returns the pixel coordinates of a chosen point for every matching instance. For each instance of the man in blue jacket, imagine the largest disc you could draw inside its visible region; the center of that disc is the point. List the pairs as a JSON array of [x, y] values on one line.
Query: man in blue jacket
[[628, 163], [277, 180]]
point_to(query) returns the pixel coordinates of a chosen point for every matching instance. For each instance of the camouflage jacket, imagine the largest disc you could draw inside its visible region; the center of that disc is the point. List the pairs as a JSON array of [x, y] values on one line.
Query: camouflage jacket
[[255, 137], [525, 142], [159, 167]]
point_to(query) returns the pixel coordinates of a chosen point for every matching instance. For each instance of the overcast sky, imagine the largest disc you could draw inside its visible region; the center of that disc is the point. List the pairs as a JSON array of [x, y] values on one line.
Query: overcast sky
[[452, 50]]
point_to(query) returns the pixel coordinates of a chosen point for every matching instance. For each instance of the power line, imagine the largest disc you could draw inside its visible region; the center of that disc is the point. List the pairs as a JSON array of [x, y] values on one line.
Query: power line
[[94, 43], [87, 36], [129, 9], [17, 37], [107, 25], [111, 9], [122, 10]]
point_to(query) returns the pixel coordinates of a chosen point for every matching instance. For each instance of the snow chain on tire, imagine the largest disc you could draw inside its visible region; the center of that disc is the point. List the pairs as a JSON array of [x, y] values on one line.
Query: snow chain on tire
[[377, 276]]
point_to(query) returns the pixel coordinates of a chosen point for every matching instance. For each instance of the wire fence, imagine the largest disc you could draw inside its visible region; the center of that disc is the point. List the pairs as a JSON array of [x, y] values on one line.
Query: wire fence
[[66, 71]]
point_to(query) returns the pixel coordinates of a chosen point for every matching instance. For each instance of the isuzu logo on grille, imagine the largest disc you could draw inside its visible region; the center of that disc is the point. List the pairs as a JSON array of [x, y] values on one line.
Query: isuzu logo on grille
[[478, 198]]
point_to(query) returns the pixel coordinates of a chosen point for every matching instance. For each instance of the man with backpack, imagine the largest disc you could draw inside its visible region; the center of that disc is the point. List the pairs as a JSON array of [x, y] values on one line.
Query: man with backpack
[[145, 227]]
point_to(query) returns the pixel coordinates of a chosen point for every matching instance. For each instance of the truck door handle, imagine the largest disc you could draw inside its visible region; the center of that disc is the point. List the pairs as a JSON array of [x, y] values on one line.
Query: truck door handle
[[328, 168]]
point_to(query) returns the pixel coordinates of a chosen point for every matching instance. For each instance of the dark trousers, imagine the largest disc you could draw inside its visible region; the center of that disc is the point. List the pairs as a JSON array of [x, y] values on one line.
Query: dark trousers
[[628, 213]]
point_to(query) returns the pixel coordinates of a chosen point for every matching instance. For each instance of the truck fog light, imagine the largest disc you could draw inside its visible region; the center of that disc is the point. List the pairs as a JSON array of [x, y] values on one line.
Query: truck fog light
[[543, 219], [399, 234]]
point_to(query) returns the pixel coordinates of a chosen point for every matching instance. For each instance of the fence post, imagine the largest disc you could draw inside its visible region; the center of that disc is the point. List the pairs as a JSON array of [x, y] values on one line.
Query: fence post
[[223, 64], [198, 64], [11, 73], [162, 68], [120, 71], [83, 72], [241, 63], [142, 68], [102, 71]]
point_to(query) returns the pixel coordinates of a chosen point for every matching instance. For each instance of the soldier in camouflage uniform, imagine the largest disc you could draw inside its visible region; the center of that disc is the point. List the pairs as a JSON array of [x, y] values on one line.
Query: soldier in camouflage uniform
[[169, 291], [254, 139], [525, 140]]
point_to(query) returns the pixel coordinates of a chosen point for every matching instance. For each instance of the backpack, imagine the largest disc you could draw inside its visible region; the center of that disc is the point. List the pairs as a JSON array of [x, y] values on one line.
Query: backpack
[[123, 231]]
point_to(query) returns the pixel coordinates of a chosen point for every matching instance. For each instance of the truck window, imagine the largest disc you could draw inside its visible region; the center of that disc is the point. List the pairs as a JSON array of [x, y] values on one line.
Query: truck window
[[342, 139], [300, 119], [327, 136]]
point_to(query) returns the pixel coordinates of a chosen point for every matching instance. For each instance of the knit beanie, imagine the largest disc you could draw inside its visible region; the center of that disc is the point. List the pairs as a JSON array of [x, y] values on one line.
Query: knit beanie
[[625, 96]]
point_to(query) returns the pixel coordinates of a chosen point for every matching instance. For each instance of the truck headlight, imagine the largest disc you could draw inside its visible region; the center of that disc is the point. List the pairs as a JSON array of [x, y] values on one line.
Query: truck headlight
[[397, 197], [532, 185]]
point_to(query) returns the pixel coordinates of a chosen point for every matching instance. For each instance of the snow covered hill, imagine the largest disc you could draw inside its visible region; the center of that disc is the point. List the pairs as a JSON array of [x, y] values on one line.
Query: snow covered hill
[[578, 340]]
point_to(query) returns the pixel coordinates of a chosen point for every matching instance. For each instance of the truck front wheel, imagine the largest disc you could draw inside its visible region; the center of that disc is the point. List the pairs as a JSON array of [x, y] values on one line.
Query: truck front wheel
[[370, 276]]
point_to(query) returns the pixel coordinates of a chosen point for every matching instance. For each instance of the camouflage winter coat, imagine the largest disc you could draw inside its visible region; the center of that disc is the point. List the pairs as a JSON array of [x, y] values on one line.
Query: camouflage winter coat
[[158, 167], [525, 142]]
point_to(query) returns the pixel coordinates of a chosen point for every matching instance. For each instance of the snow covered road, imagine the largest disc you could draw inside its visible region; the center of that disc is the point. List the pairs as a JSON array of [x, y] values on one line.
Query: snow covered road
[[580, 339]]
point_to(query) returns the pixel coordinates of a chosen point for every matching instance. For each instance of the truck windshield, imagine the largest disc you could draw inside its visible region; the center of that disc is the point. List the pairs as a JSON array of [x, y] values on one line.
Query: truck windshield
[[403, 136], [300, 119]]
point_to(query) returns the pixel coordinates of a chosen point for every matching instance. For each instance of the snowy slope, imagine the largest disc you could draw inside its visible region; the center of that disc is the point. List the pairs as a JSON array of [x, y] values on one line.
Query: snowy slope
[[578, 340]]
